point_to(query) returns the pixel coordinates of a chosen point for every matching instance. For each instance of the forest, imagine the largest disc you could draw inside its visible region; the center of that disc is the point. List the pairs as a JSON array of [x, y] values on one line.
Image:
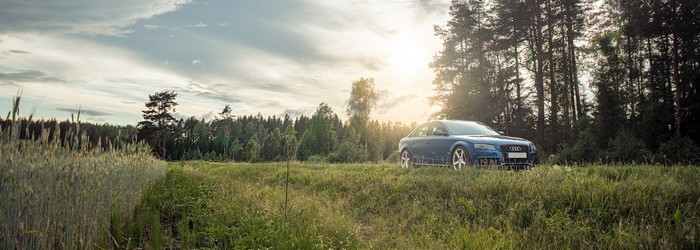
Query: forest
[[587, 81]]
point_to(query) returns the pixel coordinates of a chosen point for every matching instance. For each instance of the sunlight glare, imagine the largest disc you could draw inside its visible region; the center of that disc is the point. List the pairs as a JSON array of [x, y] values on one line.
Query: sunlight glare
[[408, 59]]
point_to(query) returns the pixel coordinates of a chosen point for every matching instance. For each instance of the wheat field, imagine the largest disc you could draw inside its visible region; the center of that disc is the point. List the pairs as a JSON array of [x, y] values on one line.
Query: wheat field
[[67, 195]]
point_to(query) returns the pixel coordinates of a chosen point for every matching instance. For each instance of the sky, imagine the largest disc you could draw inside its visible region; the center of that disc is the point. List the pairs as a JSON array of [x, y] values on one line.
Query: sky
[[259, 56]]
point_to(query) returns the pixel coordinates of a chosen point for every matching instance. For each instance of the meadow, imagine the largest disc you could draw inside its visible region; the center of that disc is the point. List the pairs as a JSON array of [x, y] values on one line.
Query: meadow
[[380, 206]]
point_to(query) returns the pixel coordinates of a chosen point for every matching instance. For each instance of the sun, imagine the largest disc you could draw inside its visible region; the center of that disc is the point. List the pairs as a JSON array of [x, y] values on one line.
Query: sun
[[408, 59]]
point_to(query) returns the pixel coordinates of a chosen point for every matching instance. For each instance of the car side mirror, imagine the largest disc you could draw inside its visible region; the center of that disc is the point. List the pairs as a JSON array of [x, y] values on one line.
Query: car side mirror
[[439, 132], [502, 133]]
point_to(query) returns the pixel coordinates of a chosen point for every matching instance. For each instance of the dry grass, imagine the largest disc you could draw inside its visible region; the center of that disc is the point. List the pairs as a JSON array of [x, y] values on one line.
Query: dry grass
[[67, 197]]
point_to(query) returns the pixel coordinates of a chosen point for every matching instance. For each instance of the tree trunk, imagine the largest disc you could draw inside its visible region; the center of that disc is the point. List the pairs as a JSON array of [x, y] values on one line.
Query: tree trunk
[[676, 84], [554, 108], [571, 16], [536, 36]]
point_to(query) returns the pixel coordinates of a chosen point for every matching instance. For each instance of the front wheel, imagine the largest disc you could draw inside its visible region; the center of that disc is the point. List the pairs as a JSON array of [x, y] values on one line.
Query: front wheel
[[406, 161], [460, 158]]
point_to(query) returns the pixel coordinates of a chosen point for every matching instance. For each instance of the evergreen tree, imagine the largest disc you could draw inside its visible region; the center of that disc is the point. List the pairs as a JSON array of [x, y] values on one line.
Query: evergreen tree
[[157, 128]]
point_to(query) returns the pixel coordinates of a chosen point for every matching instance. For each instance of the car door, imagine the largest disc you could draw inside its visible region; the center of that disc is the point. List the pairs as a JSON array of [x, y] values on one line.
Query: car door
[[438, 146], [417, 144]]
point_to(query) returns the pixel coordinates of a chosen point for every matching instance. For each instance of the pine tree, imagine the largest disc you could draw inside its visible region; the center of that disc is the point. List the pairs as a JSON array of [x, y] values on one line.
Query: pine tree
[[158, 124]]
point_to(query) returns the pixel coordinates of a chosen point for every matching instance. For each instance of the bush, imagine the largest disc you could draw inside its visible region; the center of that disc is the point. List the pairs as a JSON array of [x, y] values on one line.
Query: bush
[[317, 159], [680, 150], [627, 147], [393, 157], [349, 152], [584, 150]]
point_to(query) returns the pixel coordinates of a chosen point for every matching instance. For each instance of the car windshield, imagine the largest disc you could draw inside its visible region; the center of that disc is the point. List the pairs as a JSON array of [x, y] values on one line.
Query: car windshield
[[469, 128]]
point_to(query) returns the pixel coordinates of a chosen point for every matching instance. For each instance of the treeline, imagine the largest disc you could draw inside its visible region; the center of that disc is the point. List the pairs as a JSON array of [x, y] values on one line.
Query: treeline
[[321, 137], [71, 133], [251, 138], [255, 138], [517, 66]]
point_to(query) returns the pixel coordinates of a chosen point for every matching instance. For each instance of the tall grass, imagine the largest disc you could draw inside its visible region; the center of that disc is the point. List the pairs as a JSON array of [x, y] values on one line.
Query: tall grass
[[385, 207], [195, 209], [67, 197]]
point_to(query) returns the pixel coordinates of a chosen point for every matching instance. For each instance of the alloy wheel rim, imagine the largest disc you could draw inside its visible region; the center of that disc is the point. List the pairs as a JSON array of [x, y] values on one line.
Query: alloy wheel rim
[[405, 159], [459, 159]]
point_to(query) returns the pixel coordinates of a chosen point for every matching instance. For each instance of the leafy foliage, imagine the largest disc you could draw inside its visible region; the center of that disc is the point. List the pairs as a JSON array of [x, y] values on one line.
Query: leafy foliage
[[680, 150]]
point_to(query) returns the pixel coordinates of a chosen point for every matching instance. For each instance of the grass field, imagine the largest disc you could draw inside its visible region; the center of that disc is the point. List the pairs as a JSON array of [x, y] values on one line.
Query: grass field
[[211, 205]]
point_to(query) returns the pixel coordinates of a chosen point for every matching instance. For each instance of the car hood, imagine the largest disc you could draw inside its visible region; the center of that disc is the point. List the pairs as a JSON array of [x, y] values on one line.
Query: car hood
[[496, 139]]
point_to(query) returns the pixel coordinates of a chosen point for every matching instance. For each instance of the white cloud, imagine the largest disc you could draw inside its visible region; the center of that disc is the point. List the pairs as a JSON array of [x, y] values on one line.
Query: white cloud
[[268, 60], [80, 16], [199, 25]]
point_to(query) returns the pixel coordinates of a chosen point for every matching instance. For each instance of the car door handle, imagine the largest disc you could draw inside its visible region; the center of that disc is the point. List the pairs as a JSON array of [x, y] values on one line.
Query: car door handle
[[427, 142]]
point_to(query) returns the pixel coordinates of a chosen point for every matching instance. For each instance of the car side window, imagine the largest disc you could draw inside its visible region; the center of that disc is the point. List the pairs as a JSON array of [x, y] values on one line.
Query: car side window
[[422, 131], [437, 126]]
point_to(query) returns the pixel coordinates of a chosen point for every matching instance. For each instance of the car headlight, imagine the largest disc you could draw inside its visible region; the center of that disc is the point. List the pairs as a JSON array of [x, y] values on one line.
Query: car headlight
[[484, 146], [533, 147]]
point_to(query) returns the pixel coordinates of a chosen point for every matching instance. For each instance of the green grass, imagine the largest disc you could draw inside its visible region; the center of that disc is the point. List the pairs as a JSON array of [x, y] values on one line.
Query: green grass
[[208, 205]]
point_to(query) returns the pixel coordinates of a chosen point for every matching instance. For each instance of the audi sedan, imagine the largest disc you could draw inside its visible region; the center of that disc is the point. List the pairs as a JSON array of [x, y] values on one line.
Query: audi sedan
[[463, 144]]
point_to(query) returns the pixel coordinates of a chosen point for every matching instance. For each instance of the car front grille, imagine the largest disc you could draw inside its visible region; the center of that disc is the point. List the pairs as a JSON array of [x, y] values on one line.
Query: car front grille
[[506, 149]]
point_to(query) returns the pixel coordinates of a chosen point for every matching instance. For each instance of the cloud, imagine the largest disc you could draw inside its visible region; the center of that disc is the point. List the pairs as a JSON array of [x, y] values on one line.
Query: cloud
[[88, 112], [432, 6], [227, 98], [215, 92], [262, 56], [387, 101], [80, 16], [28, 76], [151, 27], [14, 51], [294, 113], [373, 63], [209, 116], [199, 25]]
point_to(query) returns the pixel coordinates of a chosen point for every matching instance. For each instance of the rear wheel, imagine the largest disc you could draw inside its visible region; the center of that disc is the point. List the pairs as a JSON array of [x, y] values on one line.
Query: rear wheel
[[406, 161], [460, 158]]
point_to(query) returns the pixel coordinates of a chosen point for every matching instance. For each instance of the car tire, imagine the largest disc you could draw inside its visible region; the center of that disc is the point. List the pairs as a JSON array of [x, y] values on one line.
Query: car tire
[[405, 159], [460, 158]]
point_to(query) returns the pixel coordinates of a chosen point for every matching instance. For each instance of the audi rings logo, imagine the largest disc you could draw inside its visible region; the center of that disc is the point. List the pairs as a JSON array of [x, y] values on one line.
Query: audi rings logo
[[515, 148]]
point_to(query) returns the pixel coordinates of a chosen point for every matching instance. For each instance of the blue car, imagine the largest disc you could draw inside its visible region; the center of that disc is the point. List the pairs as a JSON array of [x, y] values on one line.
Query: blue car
[[463, 144]]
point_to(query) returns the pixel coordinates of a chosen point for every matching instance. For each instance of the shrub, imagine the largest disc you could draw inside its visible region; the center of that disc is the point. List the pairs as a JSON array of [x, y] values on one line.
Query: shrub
[[349, 152], [583, 150], [393, 157], [680, 150], [627, 147], [317, 159]]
